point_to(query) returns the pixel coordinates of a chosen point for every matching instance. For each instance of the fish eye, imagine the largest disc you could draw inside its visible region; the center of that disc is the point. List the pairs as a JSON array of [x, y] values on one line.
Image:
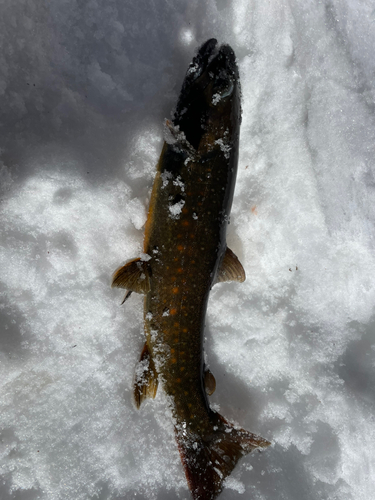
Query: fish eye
[[228, 89], [223, 87]]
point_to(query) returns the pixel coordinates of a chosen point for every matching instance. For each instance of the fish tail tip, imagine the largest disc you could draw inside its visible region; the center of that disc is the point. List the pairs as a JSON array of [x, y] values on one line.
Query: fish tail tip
[[208, 460]]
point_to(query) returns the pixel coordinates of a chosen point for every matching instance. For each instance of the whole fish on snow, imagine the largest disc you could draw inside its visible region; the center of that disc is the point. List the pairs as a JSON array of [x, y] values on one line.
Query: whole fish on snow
[[186, 254]]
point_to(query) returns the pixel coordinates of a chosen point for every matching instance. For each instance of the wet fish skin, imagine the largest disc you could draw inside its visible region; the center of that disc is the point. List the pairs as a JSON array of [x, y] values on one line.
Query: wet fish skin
[[187, 253]]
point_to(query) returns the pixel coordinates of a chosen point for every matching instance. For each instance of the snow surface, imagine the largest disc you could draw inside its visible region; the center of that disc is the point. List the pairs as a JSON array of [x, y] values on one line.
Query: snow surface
[[84, 90]]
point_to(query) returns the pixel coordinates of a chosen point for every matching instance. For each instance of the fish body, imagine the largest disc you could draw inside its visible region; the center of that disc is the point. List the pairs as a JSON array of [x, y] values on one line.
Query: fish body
[[186, 254]]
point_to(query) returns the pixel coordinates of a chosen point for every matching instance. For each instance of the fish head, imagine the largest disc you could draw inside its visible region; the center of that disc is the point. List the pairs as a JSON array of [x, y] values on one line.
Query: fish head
[[208, 111]]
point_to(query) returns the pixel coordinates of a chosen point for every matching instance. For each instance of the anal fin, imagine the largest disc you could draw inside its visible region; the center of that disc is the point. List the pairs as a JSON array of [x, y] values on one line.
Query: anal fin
[[230, 269], [209, 382], [134, 276], [145, 378]]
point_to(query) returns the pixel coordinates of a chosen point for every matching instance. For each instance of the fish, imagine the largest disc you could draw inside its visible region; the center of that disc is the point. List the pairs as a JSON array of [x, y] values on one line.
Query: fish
[[184, 255]]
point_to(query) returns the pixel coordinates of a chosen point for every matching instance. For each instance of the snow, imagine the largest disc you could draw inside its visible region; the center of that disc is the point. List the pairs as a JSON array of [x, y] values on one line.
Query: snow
[[84, 90], [176, 209]]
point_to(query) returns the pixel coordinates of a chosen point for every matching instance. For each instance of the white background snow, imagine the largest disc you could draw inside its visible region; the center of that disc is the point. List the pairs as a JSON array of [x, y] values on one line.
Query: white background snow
[[84, 89]]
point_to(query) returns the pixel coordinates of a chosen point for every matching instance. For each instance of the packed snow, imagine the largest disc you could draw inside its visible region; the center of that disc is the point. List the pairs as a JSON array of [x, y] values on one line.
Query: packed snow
[[85, 89]]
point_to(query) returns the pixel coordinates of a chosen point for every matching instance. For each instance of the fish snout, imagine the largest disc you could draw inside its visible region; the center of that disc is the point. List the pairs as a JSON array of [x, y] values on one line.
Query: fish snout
[[224, 73], [209, 91]]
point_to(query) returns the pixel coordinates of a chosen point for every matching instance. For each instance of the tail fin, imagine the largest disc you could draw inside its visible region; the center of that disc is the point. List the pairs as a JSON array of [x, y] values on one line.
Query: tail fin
[[208, 460]]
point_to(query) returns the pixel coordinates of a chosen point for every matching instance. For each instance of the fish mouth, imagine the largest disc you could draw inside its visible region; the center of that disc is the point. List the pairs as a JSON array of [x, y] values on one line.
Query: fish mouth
[[210, 88]]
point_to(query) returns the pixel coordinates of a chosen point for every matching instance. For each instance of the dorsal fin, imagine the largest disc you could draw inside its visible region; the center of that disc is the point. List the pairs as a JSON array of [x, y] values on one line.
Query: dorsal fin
[[134, 276], [145, 378], [230, 269]]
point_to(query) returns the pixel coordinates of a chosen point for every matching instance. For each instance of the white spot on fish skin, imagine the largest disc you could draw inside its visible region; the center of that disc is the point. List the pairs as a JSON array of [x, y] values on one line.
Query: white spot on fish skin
[[145, 257], [172, 133], [149, 316], [215, 99], [193, 68], [140, 371], [218, 472], [154, 335], [178, 182], [195, 216], [176, 209], [225, 148], [165, 176], [166, 313]]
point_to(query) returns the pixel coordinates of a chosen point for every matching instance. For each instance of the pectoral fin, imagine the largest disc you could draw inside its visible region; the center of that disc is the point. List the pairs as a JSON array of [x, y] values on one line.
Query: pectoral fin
[[145, 378], [127, 295], [209, 382], [173, 135], [134, 276], [230, 269]]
